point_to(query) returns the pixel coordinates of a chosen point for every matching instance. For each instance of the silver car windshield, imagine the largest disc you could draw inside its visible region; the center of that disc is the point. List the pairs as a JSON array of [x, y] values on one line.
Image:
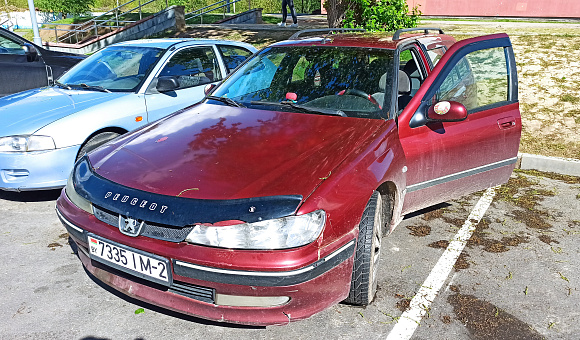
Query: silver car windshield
[[117, 68]]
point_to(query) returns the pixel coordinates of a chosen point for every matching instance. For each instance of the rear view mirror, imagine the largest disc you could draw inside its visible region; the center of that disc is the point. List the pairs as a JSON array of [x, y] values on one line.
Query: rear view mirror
[[447, 111], [167, 83], [30, 51], [208, 88]]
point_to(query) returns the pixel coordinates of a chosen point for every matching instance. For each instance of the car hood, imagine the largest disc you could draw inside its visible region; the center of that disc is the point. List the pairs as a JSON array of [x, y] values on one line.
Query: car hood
[[220, 152], [26, 112]]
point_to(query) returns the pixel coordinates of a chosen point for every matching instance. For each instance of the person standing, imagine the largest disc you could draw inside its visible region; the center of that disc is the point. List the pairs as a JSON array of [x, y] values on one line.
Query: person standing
[[290, 4]]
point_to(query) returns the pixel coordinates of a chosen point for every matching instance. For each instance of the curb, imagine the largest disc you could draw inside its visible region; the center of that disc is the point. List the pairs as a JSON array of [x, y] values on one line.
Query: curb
[[563, 166]]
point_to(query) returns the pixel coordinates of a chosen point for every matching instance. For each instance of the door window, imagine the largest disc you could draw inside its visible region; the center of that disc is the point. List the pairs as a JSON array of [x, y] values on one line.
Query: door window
[[193, 67], [233, 56], [477, 80], [435, 54], [8, 46]]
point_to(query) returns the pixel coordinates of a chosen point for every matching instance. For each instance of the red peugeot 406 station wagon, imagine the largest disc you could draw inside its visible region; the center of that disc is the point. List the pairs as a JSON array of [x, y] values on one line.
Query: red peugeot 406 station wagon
[[267, 202]]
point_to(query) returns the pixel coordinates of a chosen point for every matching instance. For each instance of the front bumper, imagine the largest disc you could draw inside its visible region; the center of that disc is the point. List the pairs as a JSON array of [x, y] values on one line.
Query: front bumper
[[38, 170], [217, 293]]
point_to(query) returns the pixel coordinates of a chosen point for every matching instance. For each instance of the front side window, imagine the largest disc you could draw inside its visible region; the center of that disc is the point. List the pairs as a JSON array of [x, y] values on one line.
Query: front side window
[[193, 67], [116, 68], [7, 46], [477, 80], [339, 79]]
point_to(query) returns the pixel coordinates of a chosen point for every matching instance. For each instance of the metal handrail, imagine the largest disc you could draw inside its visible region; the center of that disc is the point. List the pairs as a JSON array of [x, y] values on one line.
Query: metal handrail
[[191, 14], [100, 21]]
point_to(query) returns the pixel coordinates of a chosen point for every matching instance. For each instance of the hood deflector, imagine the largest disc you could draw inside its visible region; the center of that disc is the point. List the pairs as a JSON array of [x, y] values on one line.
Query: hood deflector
[[177, 211]]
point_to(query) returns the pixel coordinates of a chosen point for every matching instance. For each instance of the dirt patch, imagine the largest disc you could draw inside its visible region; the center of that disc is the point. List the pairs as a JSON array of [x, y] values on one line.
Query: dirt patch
[[65, 236], [479, 238], [420, 230], [551, 175], [461, 262], [547, 239], [403, 304], [446, 319], [433, 214], [54, 245], [532, 219], [528, 199], [439, 244], [485, 321]]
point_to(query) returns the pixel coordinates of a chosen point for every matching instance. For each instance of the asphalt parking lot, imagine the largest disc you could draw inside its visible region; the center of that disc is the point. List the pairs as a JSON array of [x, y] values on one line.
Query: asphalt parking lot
[[516, 278]]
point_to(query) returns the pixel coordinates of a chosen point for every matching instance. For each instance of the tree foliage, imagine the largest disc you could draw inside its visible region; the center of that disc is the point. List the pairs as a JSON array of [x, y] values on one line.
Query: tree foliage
[[66, 7], [373, 15]]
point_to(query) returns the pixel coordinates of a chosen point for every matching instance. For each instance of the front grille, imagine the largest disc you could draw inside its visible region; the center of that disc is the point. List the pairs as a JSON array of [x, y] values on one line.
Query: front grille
[[153, 230], [199, 293]]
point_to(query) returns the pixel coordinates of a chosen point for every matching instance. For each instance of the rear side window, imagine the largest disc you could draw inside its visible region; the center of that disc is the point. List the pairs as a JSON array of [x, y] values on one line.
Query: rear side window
[[479, 79], [233, 56], [193, 66], [436, 54]]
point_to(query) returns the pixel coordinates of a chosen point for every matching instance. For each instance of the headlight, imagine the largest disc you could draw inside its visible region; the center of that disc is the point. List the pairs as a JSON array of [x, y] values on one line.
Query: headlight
[[26, 143], [286, 232], [75, 198]]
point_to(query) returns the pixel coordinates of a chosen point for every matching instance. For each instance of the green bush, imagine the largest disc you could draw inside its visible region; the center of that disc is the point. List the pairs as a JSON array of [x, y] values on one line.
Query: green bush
[[66, 7], [377, 15]]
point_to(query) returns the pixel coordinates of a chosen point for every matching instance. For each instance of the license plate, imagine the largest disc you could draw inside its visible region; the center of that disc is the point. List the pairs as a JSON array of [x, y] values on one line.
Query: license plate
[[130, 260]]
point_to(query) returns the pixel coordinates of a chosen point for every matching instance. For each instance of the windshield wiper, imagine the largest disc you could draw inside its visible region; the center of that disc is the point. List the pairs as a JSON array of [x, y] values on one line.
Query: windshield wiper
[[64, 86], [90, 87], [303, 108], [226, 100]]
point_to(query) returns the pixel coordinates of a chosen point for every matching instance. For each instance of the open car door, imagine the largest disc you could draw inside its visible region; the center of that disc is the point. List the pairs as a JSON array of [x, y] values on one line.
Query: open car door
[[460, 132]]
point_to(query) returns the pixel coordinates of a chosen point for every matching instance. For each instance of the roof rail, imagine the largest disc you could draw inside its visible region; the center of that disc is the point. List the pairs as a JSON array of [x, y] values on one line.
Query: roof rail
[[325, 30], [425, 29]]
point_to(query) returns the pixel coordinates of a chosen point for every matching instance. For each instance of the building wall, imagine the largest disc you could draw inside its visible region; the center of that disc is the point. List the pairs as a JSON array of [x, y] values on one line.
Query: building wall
[[503, 8], [497, 8]]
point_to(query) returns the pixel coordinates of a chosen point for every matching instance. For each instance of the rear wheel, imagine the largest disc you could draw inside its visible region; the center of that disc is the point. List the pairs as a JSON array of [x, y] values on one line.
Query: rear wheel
[[96, 141], [363, 285]]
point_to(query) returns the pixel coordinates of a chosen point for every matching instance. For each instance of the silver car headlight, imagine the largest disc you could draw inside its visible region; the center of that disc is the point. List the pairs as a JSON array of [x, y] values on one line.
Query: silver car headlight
[[75, 198], [280, 233], [26, 143]]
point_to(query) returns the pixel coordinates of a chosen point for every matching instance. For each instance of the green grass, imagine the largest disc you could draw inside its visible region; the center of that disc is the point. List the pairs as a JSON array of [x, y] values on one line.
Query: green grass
[[569, 98]]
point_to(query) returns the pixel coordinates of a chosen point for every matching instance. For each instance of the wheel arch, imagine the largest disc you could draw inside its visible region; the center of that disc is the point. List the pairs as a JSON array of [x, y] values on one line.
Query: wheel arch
[[391, 205], [114, 129]]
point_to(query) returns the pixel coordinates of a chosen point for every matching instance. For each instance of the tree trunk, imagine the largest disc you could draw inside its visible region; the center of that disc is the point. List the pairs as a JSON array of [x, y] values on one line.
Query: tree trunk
[[336, 10]]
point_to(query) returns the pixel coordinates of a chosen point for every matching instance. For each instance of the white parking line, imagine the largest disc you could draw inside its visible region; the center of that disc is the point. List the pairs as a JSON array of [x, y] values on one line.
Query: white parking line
[[411, 318]]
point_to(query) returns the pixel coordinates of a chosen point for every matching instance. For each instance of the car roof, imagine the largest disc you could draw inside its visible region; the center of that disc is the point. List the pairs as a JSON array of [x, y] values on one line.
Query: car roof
[[365, 39], [166, 43]]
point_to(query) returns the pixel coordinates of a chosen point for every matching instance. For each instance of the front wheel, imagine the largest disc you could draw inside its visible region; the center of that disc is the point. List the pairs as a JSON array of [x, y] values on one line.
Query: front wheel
[[363, 286]]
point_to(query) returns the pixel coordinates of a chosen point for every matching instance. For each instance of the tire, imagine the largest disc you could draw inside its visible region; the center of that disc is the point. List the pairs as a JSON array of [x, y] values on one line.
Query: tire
[[363, 286], [96, 141]]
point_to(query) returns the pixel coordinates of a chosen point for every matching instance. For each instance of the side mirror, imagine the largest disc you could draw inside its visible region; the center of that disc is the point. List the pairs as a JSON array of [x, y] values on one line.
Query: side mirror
[[30, 51], [167, 83], [447, 111], [208, 88]]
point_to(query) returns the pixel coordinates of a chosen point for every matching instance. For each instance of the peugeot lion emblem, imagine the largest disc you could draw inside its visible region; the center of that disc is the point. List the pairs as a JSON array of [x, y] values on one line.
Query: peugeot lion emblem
[[129, 226]]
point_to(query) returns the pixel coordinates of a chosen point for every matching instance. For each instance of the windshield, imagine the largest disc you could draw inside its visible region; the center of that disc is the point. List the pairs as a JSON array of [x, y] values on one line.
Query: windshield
[[349, 81], [116, 68]]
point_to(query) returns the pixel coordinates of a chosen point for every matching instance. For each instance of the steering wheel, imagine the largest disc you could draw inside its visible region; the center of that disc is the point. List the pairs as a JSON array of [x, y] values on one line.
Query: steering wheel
[[359, 93]]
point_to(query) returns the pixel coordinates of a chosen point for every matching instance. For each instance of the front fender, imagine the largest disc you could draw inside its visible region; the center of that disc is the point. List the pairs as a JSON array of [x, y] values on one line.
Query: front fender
[[344, 194]]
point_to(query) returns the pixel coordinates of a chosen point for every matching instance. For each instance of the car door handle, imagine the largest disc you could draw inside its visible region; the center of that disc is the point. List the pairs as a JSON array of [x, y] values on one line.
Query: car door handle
[[506, 123]]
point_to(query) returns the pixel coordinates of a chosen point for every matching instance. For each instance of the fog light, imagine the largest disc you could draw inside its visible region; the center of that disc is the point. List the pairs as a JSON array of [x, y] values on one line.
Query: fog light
[[250, 301]]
